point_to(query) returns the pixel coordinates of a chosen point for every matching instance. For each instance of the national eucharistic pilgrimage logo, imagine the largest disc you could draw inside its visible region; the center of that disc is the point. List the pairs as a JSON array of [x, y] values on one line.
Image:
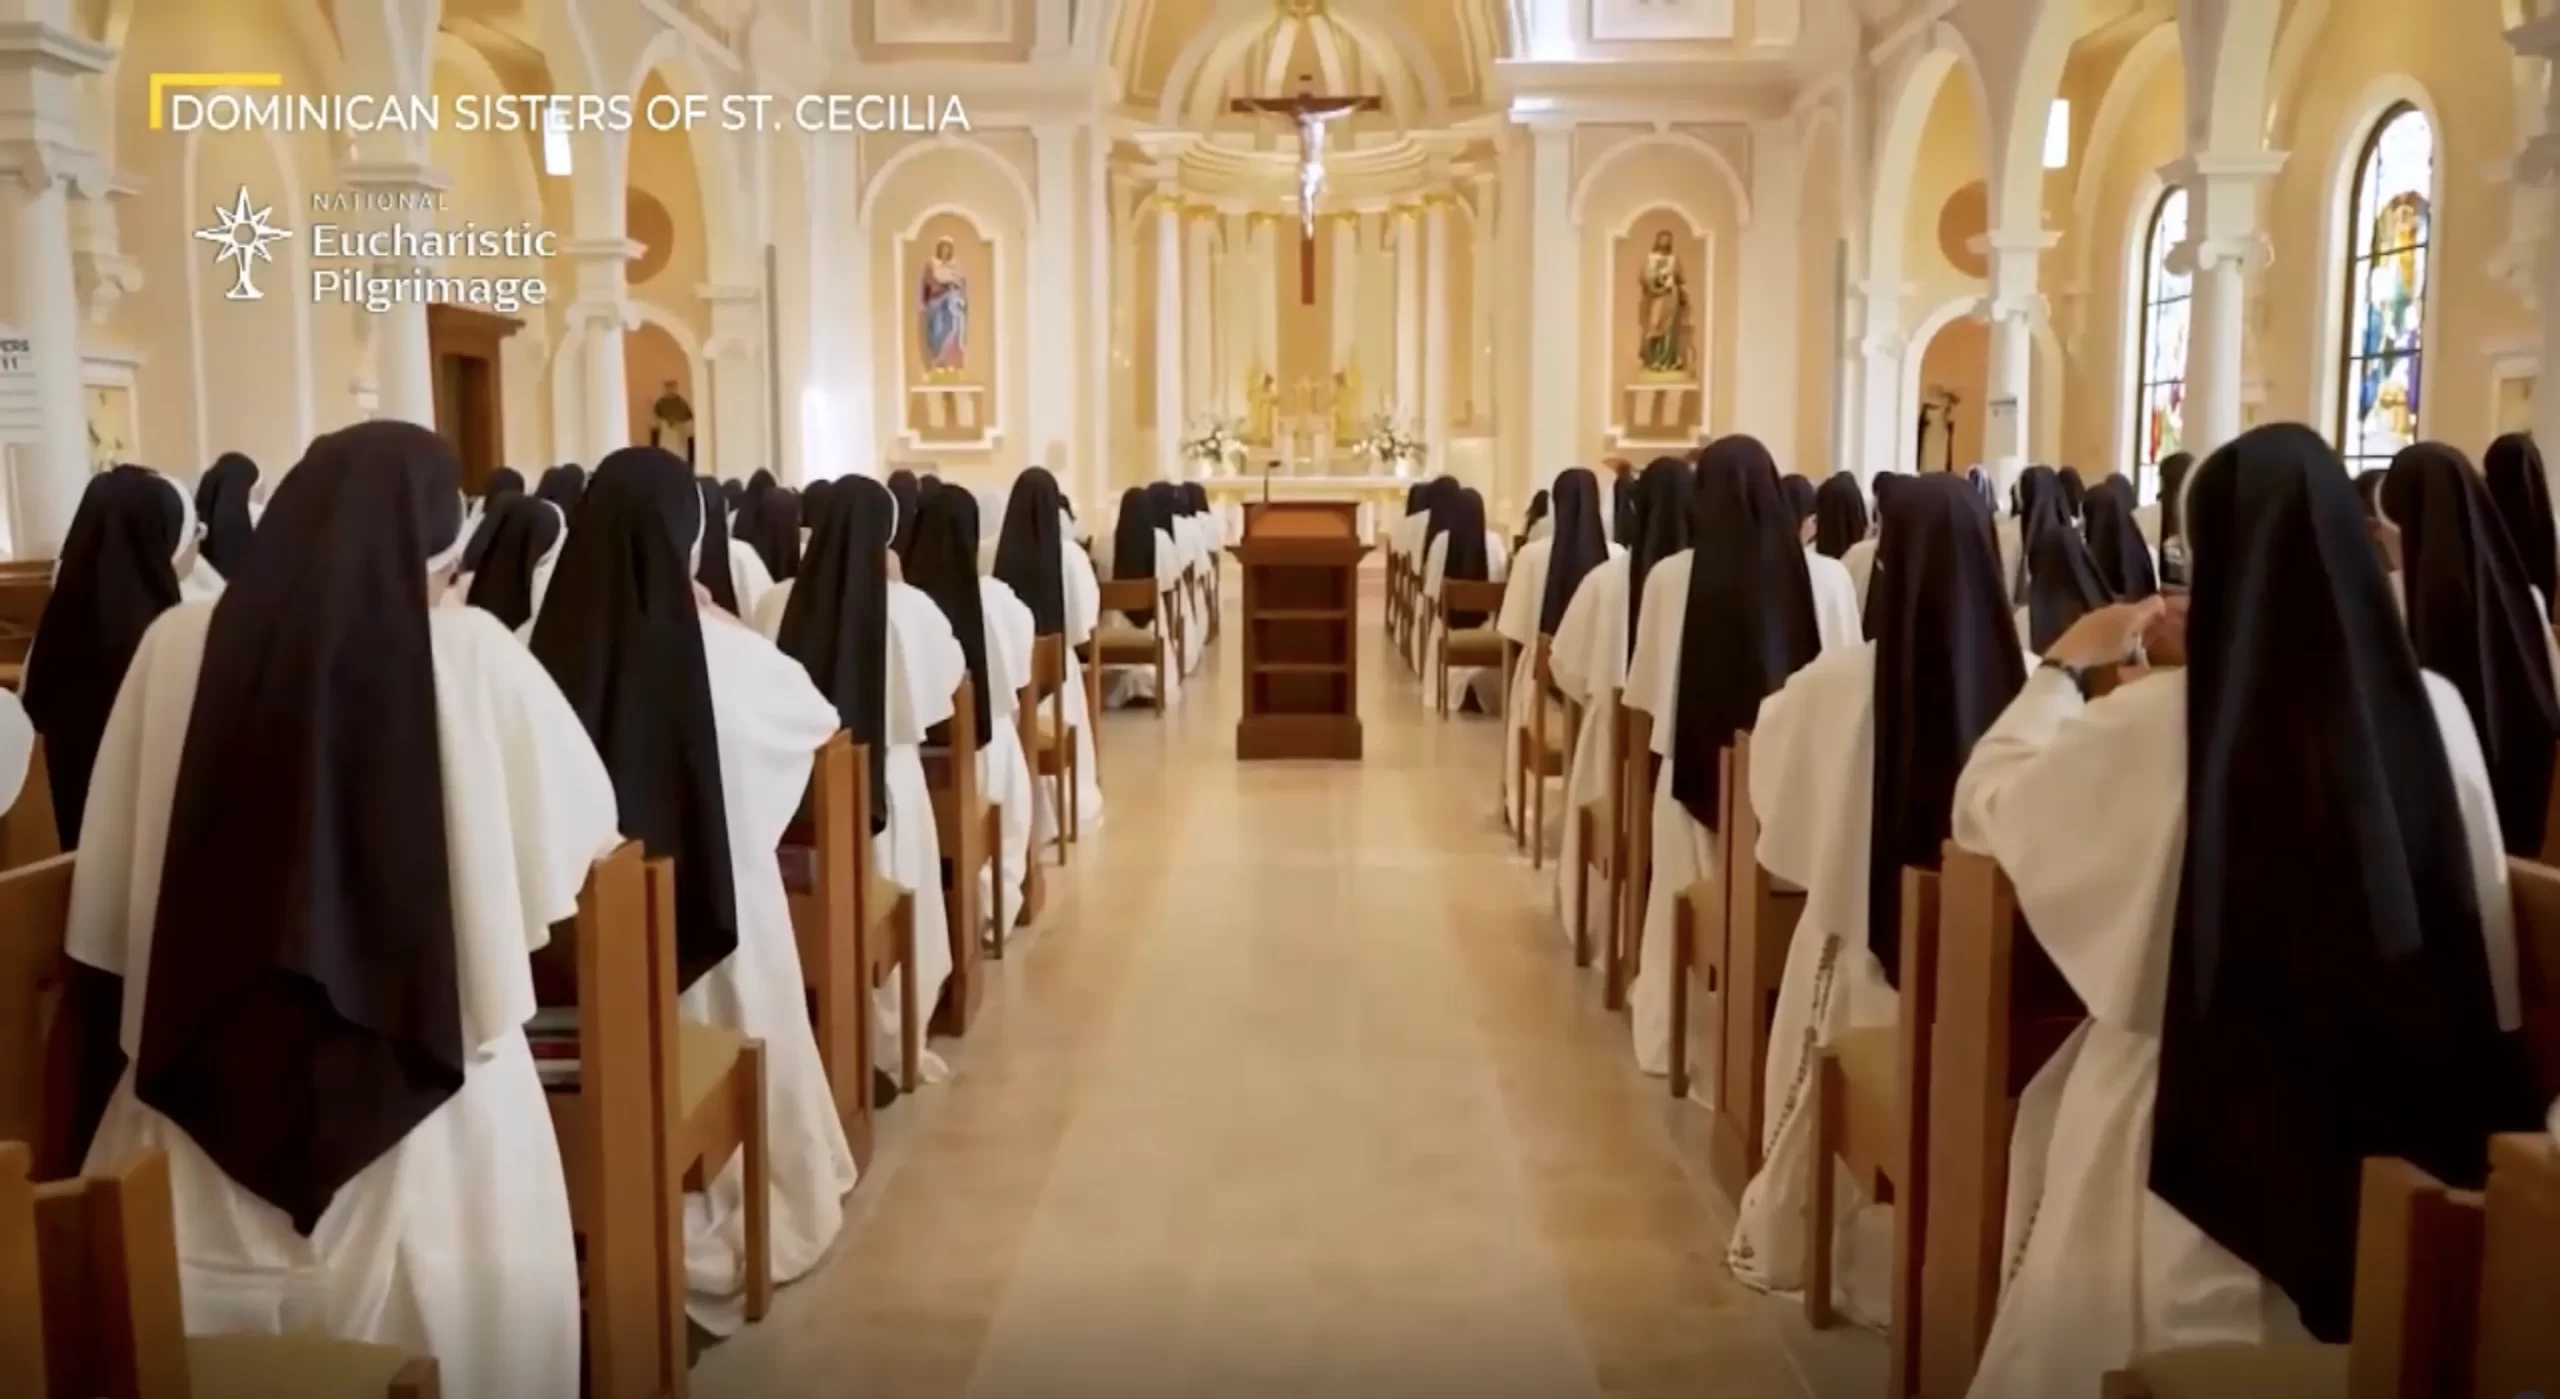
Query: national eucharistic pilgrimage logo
[[376, 268]]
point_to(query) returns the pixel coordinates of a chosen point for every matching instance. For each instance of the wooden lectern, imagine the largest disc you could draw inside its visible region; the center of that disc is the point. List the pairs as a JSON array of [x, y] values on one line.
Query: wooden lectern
[[1301, 562]]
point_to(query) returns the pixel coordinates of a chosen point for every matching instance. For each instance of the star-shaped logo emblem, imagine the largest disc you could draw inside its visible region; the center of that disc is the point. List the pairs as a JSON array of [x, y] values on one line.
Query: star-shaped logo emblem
[[243, 235]]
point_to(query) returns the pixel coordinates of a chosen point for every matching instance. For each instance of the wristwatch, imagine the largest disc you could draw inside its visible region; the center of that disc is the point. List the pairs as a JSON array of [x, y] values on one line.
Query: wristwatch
[[2077, 675]]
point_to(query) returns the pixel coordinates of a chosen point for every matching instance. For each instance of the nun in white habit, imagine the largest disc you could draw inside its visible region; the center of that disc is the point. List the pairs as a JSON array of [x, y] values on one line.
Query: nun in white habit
[[883, 654], [198, 579], [1589, 662], [519, 549], [994, 633], [329, 825], [1142, 546], [1853, 769], [2185, 1170], [1720, 627], [1035, 558], [730, 569], [709, 732], [1460, 547], [1543, 581]]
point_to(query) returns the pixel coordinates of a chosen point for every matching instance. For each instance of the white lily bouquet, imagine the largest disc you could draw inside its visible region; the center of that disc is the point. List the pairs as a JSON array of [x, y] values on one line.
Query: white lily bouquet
[[1215, 443], [1391, 447]]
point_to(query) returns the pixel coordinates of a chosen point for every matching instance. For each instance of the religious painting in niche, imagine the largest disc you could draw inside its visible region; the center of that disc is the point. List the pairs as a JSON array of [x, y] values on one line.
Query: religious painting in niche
[[1640, 20], [1658, 309], [948, 269], [2160, 374], [2389, 234], [1665, 320]]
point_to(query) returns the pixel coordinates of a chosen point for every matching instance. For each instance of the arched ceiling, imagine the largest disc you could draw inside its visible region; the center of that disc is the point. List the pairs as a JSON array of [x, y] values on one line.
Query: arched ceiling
[[1181, 61]]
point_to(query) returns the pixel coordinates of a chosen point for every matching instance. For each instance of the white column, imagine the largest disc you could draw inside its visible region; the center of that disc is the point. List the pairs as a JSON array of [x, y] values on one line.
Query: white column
[[1886, 430], [1345, 231], [603, 312], [35, 226], [2223, 245], [404, 363], [1480, 267], [1555, 307], [1236, 321], [1408, 236], [1168, 206], [2012, 310], [1050, 305], [734, 444], [1264, 231], [1200, 366], [1764, 368], [2539, 166], [1102, 406], [1435, 334]]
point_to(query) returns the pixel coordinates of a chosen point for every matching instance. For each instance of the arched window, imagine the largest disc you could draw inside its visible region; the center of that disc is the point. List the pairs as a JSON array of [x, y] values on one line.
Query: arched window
[[2389, 228], [2160, 355]]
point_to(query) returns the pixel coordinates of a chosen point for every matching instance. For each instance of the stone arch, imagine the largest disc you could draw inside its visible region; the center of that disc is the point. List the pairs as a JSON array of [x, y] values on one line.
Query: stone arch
[[1903, 117], [1679, 140], [2016, 170], [2116, 107], [888, 168], [2229, 49], [717, 166]]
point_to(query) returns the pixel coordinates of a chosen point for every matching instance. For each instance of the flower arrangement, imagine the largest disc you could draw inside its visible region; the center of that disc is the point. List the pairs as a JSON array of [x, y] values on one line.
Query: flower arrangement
[[1214, 444], [1391, 447]]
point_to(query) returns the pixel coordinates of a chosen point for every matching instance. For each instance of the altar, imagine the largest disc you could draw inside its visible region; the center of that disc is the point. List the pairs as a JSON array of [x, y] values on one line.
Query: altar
[[1380, 498]]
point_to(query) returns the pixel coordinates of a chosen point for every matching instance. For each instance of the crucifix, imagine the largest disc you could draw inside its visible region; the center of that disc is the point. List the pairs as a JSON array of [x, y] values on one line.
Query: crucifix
[[1312, 114]]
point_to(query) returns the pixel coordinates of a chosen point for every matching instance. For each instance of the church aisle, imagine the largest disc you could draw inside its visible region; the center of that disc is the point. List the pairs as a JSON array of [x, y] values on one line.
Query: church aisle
[[1292, 1093]]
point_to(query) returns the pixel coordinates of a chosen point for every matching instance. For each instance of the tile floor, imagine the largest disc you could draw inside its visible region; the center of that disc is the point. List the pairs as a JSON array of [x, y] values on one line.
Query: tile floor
[[1293, 1092]]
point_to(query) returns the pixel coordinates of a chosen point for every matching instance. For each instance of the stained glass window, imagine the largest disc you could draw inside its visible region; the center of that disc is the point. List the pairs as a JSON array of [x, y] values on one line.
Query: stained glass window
[[2160, 363], [2388, 234]]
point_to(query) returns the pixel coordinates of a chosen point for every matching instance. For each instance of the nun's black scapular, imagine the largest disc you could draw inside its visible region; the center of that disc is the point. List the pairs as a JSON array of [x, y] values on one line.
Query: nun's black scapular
[[1750, 622], [836, 623], [1801, 495], [2329, 996], [1030, 555], [1839, 514], [519, 533], [2063, 582], [222, 508], [304, 1009], [563, 486], [712, 570], [2523, 497], [1665, 523], [1467, 558], [114, 581], [1133, 544], [2473, 620], [2116, 544], [1577, 545], [2173, 518], [904, 489], [1947, 664], [622, 635], [943, 566]]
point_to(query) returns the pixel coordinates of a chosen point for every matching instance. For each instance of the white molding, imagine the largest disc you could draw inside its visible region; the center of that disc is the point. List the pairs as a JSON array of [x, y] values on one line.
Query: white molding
[[1013, 176], [1676, 140], [1643, 90], [991, 427]]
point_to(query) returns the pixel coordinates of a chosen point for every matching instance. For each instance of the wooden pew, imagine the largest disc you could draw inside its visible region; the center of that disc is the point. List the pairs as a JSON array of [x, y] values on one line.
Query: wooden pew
[[1537, 754], [28, 832], [90, 1306], [1869, 1104], [53, 1054], [1026, 736], [853, 928], [1640, 769], [2518, 1348], [22, 600], [1049, 741], [2001, 1011], [1600, 829], [1731, 932], [972, 834]]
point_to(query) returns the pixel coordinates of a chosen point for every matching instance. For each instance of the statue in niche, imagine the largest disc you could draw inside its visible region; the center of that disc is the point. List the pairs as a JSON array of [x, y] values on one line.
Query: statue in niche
[[1662, 312], [942, 312], [1937, 411], [671, 417]]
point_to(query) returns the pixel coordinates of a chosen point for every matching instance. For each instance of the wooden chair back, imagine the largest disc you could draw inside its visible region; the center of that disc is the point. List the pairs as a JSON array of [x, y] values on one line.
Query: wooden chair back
[[107, 1253], [2533, 890], [1130, 596], [28, 832], [22, 1368], [2001, 1010], [961, 818], [1918, 988], [1759, 922], [2517, 1350], [1459, 595], [1635, 798], [827, 856], [46, 1039], [611, 1122], [22, 601]]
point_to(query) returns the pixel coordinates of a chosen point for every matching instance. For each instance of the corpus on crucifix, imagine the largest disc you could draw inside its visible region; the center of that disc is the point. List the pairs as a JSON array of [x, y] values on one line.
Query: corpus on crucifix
[[1312, 113]]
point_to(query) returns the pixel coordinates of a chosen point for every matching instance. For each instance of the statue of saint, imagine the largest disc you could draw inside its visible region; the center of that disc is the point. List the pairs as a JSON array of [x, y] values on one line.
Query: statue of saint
[[1346, 404], [1262, 407], [1662, 312], [942, 313]]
